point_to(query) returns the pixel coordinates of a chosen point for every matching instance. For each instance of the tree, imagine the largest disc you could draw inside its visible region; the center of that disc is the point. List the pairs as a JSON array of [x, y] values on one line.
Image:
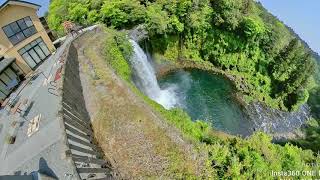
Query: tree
[[122, 13], [253, 27], [93, 16], [78, 12], [96, 4], [58, 12], [227, 13], [284, 63], [291, 72], [157, 20]]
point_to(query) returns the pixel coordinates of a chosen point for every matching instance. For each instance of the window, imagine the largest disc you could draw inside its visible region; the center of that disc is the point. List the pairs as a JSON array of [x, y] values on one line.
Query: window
[[7, 78], [34, 52], [19, 30]]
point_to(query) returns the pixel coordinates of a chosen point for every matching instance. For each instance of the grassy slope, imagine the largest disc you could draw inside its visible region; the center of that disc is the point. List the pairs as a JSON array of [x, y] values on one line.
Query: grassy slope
[[124, 128], [139, 143]]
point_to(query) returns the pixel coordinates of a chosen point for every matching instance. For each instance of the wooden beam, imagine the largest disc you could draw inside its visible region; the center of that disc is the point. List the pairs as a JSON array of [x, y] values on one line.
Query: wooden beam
[[65, 105]]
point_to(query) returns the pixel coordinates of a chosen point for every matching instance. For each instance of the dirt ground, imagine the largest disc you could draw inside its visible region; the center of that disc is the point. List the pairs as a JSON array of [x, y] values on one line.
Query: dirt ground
[[134, 138]]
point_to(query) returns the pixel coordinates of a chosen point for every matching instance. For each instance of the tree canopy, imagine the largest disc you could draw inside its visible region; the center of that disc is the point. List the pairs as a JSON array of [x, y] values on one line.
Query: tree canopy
[[238, 36]]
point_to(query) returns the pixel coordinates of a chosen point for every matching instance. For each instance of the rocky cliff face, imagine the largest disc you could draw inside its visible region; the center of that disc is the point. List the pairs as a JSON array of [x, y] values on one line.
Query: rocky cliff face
[[138, 33], [282, 125]]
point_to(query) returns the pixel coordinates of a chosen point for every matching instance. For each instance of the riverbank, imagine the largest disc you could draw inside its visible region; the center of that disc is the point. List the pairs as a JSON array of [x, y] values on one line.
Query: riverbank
[[164, 67], [133, 138], [208, 97], [282, 125], [137, 140]]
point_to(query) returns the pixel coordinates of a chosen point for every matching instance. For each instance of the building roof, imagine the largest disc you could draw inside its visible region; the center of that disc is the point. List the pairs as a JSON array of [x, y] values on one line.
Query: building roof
[[19, 3], [5, 62]]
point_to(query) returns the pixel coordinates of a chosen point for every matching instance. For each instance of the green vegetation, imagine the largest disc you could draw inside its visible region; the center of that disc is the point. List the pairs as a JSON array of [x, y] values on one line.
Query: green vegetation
[[136, 139], [312, 129], [227, 157], [239, 37], [314, 101], [117, 50], [314, 97], [312, 136]]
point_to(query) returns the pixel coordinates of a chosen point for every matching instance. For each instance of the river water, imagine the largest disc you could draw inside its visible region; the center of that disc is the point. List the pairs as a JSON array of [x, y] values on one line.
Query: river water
[[209, 97]]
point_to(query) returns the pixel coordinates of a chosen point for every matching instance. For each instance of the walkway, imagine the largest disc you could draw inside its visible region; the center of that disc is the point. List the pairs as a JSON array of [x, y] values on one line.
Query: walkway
[[29, 154], [43, 150]]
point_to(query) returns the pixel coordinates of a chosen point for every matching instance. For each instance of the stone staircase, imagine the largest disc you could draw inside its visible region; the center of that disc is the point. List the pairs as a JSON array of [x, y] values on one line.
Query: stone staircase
[[79, 138]]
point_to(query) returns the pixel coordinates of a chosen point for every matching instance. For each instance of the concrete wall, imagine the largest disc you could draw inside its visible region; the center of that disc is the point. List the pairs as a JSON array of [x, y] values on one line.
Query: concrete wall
[[72, 89], [77, 124], [12, 13]]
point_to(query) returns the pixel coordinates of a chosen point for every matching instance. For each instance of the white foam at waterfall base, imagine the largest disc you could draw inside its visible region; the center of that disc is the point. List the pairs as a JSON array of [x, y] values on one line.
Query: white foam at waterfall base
[[146, 79]]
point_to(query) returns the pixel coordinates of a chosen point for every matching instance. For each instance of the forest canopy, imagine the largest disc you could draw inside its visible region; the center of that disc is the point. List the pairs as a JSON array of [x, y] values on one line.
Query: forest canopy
[[240, 37]]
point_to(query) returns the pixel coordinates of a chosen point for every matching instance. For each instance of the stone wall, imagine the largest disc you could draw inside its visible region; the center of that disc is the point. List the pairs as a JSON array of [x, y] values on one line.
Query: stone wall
[[81, 149]]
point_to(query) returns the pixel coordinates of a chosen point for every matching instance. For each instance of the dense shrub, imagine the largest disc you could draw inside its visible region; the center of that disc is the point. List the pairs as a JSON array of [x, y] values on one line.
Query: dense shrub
[[122, 13], [228, 157], [239, 37], [117, 51]]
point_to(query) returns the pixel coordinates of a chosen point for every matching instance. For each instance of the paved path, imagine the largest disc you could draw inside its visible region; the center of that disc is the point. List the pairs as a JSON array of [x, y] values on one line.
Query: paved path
[[33, 146], [43, 150], [25, 148]]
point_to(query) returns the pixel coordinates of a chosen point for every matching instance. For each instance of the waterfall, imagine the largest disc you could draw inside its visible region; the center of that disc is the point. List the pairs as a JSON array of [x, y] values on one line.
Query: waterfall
[[146, 81]]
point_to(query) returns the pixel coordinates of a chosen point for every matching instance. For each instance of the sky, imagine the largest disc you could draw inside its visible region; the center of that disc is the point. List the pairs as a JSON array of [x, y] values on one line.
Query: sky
[[303, 16], [44, 5]]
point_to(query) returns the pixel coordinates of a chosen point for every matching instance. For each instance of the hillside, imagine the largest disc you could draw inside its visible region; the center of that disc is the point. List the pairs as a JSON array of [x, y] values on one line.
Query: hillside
[[315, 55], [257, 52], [314, 98], [143, 140], [135, 139], [240, 37]]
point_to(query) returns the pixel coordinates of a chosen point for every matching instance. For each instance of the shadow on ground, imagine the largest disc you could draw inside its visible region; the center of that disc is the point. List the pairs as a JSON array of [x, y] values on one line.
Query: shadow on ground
[[45, 169]]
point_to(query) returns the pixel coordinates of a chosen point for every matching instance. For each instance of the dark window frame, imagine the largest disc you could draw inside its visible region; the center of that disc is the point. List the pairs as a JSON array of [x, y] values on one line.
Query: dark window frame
[[21, 31], [37, 41], [4, 72]]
